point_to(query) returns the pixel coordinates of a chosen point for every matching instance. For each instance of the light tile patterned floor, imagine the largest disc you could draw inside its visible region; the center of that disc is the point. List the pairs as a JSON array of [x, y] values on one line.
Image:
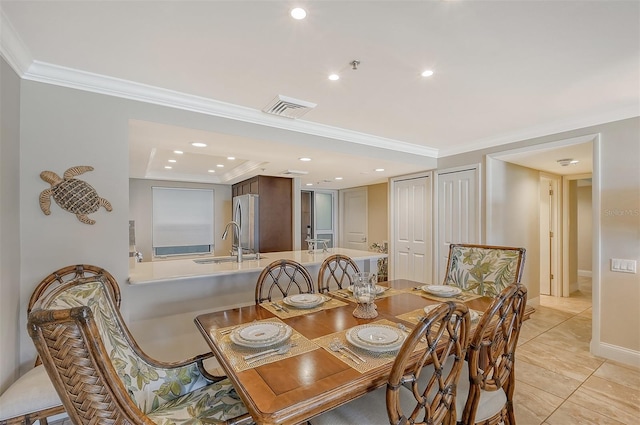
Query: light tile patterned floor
[[558, 382]]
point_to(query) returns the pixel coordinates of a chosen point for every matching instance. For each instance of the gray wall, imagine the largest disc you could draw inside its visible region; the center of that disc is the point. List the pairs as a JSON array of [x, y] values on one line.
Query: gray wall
[[585, 240], [513, 217], [616, 218], [62, 127], [9, 222]]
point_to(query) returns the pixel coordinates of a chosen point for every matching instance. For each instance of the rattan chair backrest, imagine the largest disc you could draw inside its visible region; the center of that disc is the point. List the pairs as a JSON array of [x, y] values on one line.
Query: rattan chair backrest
[[484, 269], [433, 379], [492, 349], [336, 269], [66, 274], [282, 278], [72, 349]]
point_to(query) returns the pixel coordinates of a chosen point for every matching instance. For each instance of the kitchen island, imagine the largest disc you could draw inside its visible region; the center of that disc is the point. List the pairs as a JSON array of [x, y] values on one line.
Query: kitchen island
[[163, 297], [178, 270]]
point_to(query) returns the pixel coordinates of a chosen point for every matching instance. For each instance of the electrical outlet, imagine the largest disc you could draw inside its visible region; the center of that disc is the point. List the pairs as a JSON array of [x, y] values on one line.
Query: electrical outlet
[[623, 266]]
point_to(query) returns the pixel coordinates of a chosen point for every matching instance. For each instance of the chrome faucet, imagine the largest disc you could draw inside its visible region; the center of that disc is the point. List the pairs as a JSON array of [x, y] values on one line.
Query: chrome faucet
[[238, 246]]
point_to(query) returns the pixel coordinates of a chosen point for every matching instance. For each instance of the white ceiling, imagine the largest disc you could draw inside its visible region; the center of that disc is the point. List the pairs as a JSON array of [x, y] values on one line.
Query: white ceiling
[[504, 71]]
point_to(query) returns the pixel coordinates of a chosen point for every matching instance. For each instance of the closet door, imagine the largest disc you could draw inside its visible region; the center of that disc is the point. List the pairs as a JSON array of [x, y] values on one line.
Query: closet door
[[458, 218], [412, 229]]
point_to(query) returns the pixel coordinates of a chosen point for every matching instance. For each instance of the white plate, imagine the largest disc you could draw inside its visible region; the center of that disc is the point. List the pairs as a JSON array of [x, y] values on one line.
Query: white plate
[[473, 315], [353, 339], [283, 334], [304, 300], [378, 335], [257, 332], [442, 290], [379, 289]]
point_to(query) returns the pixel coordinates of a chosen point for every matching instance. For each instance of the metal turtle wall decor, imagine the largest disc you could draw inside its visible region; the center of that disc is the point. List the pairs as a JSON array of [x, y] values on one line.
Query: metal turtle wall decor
[[71, 194]]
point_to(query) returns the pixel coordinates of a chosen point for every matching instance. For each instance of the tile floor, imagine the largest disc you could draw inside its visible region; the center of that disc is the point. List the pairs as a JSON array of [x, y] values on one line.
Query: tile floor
[[558, 382]]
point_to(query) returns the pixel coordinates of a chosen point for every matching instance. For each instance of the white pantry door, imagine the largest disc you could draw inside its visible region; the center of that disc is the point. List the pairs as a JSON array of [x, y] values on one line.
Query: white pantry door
[[412, 229], [355, 222], [458, 212]]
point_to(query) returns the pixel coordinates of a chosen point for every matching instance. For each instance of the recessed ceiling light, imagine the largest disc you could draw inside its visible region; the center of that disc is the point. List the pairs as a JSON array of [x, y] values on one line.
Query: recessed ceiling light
[[220, 165], [379, 169], [231, 158], [298, 13], [172, 160], [211, 171], [168, 167], [427, 73], [309, 184], [178, 152], [338, 178], [304, 158], [334, 77], [199, 144]]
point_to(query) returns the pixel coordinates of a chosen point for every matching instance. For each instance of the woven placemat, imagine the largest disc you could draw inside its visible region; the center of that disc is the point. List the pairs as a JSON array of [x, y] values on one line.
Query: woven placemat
[[464, 296], [235, 353], [373, 360], [348, 295], [293, 312], [415, 315]]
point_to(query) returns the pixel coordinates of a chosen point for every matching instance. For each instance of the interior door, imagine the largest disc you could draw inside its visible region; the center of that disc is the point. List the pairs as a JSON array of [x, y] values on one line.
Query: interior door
[[545, 236], [549, 236], [458, 212], [412, 230], [354, 218]]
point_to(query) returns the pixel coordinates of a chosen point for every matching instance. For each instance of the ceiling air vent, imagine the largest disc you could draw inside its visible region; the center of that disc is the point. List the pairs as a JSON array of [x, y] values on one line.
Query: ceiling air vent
[[288, 107], [294, 173]]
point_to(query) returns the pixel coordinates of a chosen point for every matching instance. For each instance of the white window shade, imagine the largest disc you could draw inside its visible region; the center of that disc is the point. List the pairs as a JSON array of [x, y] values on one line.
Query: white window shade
[[182, 217]]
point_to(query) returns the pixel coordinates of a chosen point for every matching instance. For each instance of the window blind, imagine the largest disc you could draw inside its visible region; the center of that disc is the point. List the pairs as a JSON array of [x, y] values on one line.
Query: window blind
[[182, 217]]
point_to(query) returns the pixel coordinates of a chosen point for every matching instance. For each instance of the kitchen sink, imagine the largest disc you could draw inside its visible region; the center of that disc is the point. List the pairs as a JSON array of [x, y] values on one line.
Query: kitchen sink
[[227, 259]]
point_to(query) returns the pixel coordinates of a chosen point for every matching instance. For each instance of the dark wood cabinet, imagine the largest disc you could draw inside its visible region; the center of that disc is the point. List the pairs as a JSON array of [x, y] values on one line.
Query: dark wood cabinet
[[275, 208]]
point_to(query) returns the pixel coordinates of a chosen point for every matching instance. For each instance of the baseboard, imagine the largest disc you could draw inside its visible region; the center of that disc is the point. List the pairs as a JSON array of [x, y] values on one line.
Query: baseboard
[[618, 354], [585, 273]]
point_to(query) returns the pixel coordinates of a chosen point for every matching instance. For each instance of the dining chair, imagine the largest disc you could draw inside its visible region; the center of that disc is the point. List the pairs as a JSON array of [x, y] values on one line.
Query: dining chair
[[484, 269], [421, 388], [282, 277], [102, 376], [32, 397], [336, 269], [485, 392]]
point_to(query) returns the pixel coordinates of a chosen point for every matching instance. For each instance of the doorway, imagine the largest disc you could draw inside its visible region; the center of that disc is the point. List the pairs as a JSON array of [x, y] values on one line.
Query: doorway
[[318, 211]]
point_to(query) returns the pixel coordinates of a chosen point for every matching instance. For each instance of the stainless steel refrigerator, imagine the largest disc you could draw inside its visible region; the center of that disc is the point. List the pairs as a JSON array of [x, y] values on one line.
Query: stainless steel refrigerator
[[245, 213]]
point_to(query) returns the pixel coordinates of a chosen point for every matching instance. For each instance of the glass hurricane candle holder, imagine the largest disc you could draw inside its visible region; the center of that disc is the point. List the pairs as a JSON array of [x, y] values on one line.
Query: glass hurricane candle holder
[[364, 291]]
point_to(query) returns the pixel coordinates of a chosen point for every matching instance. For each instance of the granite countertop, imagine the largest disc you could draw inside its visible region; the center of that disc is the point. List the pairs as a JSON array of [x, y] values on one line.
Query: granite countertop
[[165, 270]]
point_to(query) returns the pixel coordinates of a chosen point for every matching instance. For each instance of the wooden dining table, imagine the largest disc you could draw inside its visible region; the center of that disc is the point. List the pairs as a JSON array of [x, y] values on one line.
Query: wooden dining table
[[295, 386]]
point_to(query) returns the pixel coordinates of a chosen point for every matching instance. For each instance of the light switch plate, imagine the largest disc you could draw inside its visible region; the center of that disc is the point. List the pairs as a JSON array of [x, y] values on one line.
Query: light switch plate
[[623, 266]]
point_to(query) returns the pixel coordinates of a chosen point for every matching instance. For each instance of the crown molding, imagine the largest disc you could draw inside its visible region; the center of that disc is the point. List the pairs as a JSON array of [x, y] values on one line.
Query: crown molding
[[12, 49], [631, 111], [72, 78]]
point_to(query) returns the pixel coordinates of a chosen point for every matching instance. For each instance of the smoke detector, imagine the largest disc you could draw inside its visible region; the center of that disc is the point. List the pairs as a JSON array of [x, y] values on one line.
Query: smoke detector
[[288, 107]]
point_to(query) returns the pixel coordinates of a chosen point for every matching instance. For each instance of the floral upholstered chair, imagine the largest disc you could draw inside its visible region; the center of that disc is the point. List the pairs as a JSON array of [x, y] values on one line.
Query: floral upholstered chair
[[101, 374], [484, 269]]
